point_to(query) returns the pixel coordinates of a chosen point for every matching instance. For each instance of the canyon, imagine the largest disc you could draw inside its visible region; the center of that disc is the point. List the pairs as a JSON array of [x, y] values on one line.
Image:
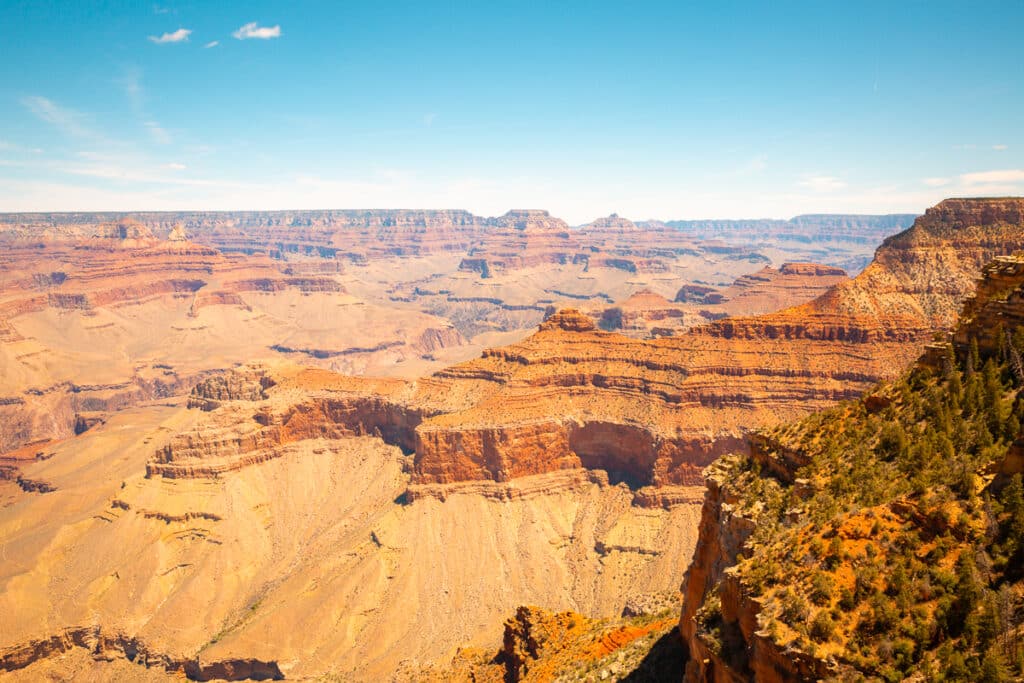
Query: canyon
[[101, 311], [308, 447]]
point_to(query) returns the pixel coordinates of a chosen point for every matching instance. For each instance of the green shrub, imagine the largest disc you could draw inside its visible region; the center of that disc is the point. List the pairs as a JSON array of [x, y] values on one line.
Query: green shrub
[[821, 589], [823, 628]]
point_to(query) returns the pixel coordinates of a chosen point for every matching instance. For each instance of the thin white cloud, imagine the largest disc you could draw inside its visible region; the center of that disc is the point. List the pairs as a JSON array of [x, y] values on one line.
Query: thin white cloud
[[822, 183], [174, 166], [157, 9], [6, 146], [127, 169], [131, 81], [254, 30], [212, 43], [157, 132], [1000, 148], [937, 182], [1011, 175], [66, 120], [178, 36], [136, 94]]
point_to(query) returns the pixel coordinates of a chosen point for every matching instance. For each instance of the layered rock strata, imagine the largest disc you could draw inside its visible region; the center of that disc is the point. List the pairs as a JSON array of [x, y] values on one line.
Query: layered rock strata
[[97, 318], [656, 412]]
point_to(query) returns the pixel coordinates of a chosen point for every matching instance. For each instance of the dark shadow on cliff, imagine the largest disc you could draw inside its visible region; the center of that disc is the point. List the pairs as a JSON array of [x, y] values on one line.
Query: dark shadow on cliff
[[664, 663]]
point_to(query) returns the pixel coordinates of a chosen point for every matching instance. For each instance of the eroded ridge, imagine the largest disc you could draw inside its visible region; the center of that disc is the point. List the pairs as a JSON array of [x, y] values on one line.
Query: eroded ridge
[[103, 646]]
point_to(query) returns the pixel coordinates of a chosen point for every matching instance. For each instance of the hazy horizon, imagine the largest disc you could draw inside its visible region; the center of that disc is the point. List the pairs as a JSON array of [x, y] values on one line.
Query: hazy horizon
[[378, 209]]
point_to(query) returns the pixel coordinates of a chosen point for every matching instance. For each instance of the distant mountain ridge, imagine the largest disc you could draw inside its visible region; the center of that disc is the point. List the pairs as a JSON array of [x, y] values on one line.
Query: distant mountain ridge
[[865, 227], [887, 223]]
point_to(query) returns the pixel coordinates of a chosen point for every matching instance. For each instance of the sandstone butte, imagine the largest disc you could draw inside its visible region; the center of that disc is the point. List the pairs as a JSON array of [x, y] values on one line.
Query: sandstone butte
[[730, 512]]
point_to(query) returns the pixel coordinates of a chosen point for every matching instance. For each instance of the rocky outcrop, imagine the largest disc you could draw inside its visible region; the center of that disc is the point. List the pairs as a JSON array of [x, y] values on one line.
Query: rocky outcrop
[[540, 645], [104, 646], [249, 425], [612, 223], [724, 530], [996, 308], [125, 229], [698, 294], [926, 272], [528, 636], [248, 384], [532, 220], [568, 320]]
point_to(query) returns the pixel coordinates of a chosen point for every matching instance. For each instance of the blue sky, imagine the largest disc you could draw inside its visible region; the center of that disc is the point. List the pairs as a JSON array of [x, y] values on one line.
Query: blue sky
[[653, 110]]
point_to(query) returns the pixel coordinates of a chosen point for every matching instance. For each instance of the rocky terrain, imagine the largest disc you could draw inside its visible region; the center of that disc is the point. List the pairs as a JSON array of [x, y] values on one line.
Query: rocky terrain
[[485, 275], [648, 314], [879, 538], [102, 311], [654, 412], [298, 495], [723, 626], [110, 317], [323, 533]]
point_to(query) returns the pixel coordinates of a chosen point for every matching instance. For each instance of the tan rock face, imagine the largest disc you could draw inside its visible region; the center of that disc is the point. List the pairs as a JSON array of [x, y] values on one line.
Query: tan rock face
[[568, 320], [997, 306]]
